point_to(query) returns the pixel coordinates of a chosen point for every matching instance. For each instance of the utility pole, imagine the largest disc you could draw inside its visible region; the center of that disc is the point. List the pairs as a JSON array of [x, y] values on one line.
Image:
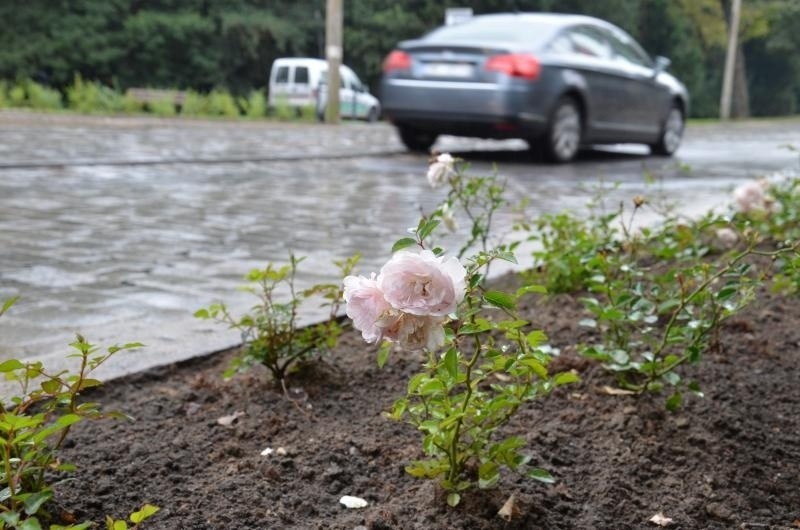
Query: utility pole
[[730, 61], [333, 53]]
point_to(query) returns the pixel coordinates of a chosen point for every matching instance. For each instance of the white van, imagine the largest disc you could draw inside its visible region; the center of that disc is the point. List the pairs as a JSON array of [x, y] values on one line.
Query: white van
[[296, 81]]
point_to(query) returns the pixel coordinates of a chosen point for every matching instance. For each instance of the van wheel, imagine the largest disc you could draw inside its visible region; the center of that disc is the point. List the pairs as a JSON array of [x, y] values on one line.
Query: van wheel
[[416, 140], [372, 115]]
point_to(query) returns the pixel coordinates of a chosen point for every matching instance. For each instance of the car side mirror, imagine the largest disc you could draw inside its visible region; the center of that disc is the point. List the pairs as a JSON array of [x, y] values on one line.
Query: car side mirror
[[662, 63]]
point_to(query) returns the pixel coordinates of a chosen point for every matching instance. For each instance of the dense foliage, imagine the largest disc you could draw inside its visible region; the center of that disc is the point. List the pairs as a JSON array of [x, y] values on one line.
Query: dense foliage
[[204, 45]]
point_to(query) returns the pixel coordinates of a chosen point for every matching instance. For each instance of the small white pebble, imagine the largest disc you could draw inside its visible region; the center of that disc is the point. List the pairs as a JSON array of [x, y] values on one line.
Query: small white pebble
[[266, 452], [353, 502], [280, 451]]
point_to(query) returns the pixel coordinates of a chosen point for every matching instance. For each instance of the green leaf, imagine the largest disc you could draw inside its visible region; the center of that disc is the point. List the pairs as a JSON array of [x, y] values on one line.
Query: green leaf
[[120, 525], [30, 524], [540, 289], [674, 402], [541, 475], [500, 299], [51, 386], [10, 518], [536, 338], [405, 242], [8, 303], [147, 511], [694, 387], [35, 501], [488, 475], [425, 229], [537, 367], [453, 499], [565, 378], [11, 365], [451, 362], [202, 313], [383, 353]]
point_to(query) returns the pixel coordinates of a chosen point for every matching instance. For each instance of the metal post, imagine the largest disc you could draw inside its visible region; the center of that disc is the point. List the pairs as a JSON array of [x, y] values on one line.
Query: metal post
[[333, 53], [730, 61]]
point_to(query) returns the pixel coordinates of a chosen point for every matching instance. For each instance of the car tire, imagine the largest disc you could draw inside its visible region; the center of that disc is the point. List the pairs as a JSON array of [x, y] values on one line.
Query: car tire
[[671, 133], [372, 115], [562, 140], [416, 140]]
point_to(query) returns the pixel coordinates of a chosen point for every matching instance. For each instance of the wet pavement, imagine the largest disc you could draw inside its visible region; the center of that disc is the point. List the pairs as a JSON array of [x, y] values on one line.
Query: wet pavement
[[121, 228]]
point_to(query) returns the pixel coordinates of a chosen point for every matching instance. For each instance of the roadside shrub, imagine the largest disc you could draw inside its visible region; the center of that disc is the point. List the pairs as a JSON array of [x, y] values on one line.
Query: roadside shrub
[[42, 97], [307, 113], [17, 95], [194, 104], [164, 108], [282, 111], [270, 332], [255, 106], [91, 97], [221, 103]]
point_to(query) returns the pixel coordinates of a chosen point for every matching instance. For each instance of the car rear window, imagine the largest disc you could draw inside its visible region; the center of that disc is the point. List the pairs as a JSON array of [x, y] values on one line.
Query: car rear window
[[493, 29], [282, 76]]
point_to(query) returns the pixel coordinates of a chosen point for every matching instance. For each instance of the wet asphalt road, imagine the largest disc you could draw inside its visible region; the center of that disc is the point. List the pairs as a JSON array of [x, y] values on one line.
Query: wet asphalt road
[[121, 228]]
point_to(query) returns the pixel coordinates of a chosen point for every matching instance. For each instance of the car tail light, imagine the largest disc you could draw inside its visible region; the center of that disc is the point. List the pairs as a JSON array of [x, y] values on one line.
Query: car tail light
[[515, 65], [397, 60]]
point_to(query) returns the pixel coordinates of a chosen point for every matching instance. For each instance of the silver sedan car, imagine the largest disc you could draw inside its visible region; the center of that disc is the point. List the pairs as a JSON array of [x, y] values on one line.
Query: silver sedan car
[[558, 81]]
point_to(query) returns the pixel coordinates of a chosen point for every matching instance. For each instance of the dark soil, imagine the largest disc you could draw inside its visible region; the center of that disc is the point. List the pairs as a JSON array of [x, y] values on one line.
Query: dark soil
[[729, 460]]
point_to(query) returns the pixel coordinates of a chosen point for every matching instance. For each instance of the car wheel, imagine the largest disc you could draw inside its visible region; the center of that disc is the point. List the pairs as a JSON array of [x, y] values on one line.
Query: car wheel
[[372, 115], [563, 137], [416, 140], [671, 133]]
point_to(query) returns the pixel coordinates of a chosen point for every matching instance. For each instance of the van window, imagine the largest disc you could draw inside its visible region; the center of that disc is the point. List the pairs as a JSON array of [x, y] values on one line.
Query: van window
[[282, 76], [301, 75]]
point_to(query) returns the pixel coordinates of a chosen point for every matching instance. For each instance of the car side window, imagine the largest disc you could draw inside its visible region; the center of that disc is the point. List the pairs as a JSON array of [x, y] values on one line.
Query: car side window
[[562, 44], [625, 49], [282, 76], [590, 42], [301, 75]]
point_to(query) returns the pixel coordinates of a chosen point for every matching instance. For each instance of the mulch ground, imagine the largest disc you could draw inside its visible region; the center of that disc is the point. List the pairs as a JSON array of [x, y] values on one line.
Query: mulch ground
[[729, 460]]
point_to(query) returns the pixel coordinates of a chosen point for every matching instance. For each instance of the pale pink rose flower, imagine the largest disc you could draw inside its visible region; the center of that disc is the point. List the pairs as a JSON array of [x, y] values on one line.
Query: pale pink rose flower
[[441, 170], [727, 236], [415, 332], [751, 196], [366, 306], [423, 284]]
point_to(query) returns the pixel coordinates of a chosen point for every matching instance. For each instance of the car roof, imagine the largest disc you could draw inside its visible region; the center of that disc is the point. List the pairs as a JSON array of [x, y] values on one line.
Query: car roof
[[503, 32]]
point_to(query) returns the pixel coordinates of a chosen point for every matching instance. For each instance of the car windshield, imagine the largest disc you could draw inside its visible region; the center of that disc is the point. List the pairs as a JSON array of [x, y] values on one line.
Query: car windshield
[[505, 28]]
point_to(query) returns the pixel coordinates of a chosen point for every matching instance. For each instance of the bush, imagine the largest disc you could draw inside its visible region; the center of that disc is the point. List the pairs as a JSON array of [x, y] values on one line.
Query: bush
[[42, 97], [163, 107], [91, 97], [194, 104], [221, 103], [255, 106], [17, 96]]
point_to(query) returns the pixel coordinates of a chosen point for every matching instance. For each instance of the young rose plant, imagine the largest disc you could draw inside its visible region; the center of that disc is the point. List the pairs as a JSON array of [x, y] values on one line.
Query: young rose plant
[[482, 360], [34, 424], [270, 331]]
